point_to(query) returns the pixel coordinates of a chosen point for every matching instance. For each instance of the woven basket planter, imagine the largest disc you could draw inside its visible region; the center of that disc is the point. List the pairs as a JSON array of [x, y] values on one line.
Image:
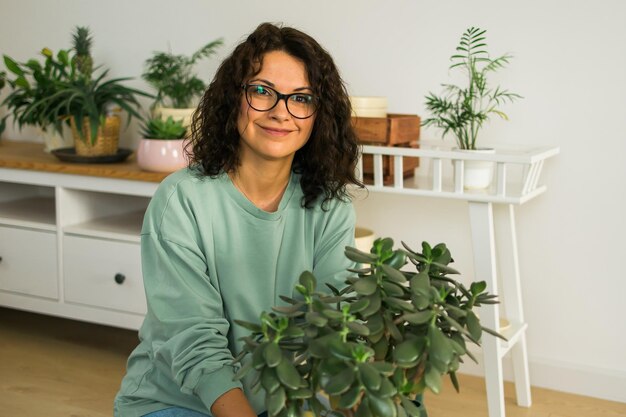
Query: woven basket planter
[[106, 142]]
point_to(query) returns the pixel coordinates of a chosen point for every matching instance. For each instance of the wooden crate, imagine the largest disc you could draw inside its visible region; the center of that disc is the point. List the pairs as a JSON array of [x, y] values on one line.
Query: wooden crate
[[408, 166], [395, 129]]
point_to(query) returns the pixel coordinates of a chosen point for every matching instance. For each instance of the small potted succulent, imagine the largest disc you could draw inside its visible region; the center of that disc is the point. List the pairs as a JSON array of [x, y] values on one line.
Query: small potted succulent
[[462, 110], [175, 83], [162, 148], [91, 102], [31, 82], [371, 348]]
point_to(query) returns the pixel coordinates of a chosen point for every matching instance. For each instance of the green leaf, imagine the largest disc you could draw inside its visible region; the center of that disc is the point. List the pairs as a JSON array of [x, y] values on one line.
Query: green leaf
[[369, 376], [393, 274], [358, 328], [288, 375], [382, 406], [273, 355], [397, 260], [440, 347], [359, 305], [340, 349], [398, 304], [300, 394], [387, 389], [249, 326], [332, 314], [350, 398], [455, 381], [258, 359], [478, 287], [366, 286], [316, 319], [420, 283], [420, 317], [473, 325], [410, 407], [13, 66], [269, 380], [392, 289], [373, 306], [407, 353], [242, 371], [275, 401], [307, 279], [340, 382], [360, 257], [375, 323], [364, 409], [432, 378]]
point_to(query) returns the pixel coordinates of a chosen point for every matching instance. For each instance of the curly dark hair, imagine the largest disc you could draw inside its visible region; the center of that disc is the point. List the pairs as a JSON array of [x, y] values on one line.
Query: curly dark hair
[[327, 161]]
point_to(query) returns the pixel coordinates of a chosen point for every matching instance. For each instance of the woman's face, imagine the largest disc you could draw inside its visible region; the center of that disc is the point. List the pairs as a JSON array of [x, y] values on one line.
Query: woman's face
[[275, 135]]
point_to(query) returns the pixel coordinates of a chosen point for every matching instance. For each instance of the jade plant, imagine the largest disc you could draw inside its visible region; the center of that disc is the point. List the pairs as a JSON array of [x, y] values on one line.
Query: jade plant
[[157, 128], [372, 347], [462, 110]]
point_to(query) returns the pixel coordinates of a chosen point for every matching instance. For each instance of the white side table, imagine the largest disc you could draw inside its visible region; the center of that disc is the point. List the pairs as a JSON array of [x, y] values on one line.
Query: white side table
[[492, 223]]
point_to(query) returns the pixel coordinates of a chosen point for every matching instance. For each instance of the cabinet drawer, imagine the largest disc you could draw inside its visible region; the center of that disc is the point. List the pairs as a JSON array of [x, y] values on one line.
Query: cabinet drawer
[[103, 273], [28, 262]]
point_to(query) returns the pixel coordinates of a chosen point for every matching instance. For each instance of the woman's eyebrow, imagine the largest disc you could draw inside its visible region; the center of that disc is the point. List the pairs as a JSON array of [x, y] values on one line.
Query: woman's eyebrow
[[271, 84]]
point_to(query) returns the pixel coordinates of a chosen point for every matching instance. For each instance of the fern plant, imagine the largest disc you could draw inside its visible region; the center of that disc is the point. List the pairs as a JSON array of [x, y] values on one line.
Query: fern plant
[[172, 76], [462, 110]]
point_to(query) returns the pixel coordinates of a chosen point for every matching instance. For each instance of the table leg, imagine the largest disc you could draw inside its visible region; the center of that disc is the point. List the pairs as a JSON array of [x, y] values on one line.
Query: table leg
[[483, 243]]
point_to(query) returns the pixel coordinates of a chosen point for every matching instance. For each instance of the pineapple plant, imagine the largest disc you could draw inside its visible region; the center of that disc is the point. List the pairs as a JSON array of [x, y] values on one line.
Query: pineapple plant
[[82, 61]]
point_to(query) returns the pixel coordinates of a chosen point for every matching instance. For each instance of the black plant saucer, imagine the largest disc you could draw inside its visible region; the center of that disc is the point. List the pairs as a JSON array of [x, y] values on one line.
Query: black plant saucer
[[69, 155]]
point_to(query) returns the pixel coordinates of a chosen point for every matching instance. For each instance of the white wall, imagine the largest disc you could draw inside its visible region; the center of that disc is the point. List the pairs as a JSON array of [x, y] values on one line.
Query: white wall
[[569, 65]]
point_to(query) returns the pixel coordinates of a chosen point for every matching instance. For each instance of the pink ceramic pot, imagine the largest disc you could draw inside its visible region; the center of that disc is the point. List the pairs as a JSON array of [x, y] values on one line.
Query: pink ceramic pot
[[160, 155]]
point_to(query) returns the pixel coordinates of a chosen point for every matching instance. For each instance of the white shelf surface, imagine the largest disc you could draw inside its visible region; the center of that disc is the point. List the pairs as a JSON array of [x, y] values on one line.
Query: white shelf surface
[[32, 212], [517, 170], [124, 227]]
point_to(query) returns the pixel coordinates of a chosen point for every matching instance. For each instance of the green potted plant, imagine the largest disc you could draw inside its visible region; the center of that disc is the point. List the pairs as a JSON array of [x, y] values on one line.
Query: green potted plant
[[91, 102], [31, 82], [175, 83], [372, 347], [462, 110], [162, 148]]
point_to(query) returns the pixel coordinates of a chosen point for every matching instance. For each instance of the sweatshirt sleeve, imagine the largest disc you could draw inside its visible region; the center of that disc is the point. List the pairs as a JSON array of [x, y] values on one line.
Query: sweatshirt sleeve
[[337, 232], [185, 319]]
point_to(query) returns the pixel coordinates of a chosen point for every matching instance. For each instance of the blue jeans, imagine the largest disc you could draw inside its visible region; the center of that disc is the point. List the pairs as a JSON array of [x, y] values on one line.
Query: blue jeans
[[182, 412]]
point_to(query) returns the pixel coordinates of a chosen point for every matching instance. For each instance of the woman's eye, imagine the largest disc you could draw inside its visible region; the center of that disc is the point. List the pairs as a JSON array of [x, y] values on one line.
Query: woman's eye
[[302, 98], [262, 91]]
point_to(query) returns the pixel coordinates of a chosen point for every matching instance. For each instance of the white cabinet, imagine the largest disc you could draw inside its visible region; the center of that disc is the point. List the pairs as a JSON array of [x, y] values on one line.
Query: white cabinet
[[28, 262], [70, 245], [103, 273]]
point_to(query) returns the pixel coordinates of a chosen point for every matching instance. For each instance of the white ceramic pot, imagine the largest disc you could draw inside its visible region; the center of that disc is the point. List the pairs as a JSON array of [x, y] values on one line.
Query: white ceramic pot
[[364, 239], [54, 140], [368, 106], [185, 115], [477, 175], [161, 155]]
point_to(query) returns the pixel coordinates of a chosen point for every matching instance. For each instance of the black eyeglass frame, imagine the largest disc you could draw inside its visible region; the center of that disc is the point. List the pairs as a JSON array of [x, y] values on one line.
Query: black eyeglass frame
[[279, 97]]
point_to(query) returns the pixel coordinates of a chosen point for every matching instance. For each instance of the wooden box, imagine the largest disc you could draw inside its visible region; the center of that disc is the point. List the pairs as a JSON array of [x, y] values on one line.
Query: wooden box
[[395, 129], [408, 166]]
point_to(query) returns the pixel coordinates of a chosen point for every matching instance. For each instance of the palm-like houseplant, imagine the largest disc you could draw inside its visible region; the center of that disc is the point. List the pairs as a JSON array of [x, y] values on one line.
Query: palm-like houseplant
[[33, 81], [373, 346], [173, 78], [462, 110]]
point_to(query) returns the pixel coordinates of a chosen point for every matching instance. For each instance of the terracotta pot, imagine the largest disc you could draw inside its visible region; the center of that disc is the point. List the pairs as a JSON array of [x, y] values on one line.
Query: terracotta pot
[[162, 155]]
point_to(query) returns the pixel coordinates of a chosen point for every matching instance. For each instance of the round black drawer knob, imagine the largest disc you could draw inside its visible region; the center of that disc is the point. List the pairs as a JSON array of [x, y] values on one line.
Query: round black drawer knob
[[120, 278]]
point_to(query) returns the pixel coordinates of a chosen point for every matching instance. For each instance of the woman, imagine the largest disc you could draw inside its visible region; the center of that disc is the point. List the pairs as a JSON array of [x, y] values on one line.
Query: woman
[[263, 200]]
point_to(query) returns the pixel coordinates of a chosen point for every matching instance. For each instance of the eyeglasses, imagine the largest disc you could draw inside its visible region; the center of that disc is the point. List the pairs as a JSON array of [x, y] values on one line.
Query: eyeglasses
[[264, 98]]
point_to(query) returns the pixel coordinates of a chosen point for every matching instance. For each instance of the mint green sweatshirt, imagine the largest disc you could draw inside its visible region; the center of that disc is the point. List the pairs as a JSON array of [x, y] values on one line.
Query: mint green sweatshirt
[[210, 256]]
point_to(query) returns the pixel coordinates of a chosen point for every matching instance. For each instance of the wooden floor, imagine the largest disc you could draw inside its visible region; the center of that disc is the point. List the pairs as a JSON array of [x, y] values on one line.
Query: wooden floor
[[61, 368]]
